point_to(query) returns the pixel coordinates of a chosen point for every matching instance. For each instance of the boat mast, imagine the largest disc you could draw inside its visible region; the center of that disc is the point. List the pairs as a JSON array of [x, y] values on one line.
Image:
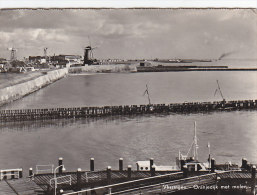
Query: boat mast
[[219, 91], [195, 144], [194, 147], [148, 95]]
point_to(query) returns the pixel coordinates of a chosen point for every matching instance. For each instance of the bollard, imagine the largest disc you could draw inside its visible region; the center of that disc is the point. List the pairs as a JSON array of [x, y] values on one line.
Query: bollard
[[151, 163], [244, 163], [121, 164], [79, 179], [60, 163], [12, 174], [212, 165], [153, 171], [253, 180], [30, 172], [92, 164], [20, 174], [129, 171], [109, 171]]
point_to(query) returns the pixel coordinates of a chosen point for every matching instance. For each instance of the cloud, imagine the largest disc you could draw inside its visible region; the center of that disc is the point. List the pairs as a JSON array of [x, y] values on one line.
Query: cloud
[[126, 33]]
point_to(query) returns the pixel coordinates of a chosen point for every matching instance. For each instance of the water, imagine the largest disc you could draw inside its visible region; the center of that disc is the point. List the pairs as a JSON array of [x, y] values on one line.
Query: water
[[232, 135]]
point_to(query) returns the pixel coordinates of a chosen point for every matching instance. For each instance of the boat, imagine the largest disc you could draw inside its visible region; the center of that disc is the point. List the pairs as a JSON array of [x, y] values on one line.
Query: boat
[[188, 161]]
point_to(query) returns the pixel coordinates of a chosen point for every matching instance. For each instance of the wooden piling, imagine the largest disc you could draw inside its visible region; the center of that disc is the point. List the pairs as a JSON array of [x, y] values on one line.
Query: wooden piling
[[92, 164], [121, 164], [212, 165], [129, 171], [79, 179], [30, 172], [153, 171], [182, 163], [109, 171], [60, 163], [253, 180], [151, 163], [56, 113]]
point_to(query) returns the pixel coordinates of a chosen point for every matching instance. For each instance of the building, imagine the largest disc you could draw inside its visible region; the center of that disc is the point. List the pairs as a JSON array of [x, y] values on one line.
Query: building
[[56, 60]]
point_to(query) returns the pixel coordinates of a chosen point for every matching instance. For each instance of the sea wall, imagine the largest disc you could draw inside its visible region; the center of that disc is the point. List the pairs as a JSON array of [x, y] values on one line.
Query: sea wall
[[17, 91]]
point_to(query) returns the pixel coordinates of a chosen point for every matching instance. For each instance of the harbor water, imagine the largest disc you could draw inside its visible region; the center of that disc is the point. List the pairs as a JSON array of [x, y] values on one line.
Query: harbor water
[[232, 135]]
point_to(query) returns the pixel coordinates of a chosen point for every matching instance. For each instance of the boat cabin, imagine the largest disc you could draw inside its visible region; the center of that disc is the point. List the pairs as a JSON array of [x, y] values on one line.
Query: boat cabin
[[143, 165], [195, 166]]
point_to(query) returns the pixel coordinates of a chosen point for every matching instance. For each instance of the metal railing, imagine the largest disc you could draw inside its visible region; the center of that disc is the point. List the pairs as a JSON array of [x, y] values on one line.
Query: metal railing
[[50, 168], [180, 184], [14, 173], [62, 179], [125, 183]]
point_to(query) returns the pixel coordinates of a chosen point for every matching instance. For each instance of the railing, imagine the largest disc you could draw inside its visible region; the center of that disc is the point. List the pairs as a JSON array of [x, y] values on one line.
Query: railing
[[49, 168], [62, 180], [181, 184], [14, 173], [129, 183], [156, 184]]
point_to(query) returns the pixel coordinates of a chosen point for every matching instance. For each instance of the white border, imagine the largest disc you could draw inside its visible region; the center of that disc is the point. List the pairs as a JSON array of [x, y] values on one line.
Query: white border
[[128, 4]]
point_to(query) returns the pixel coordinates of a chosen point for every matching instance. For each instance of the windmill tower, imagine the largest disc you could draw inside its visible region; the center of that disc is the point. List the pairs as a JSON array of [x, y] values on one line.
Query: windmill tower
[[88, 54], [45, 53]]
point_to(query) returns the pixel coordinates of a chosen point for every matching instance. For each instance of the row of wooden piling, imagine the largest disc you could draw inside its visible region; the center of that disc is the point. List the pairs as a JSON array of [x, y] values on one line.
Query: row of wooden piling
[[245, 166], [86, 112]]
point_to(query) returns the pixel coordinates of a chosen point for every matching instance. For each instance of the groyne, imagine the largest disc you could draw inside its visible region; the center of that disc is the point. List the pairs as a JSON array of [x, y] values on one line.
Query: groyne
[[86, 112], [19, 90]]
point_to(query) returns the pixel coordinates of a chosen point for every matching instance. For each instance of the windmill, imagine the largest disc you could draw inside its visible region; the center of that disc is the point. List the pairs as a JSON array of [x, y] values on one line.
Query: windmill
[[45, 54], [88, 54]]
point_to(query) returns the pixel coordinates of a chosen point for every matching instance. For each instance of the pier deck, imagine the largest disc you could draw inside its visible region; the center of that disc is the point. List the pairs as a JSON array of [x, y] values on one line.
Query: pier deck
[[130, 182], [87, 112], [23, 186], [165, 184]]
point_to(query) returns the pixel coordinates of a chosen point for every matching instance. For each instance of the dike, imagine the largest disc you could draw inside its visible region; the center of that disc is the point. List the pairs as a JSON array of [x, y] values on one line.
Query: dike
[[17, 91]]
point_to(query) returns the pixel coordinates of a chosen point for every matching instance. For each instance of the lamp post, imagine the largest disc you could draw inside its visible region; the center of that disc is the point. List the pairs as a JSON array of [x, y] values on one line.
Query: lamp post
[[55, 179]]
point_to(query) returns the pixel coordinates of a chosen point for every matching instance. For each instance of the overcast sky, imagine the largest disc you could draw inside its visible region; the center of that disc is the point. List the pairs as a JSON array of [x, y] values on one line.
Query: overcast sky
[[128, 33]]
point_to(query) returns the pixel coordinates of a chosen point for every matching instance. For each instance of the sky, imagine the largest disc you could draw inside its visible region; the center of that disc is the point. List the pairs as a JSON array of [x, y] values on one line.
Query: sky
[[131, 33]]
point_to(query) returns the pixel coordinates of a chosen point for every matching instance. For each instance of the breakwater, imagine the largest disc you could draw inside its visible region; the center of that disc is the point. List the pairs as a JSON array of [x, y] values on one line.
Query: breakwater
[[161, 68], [19, 90], [86, 112]]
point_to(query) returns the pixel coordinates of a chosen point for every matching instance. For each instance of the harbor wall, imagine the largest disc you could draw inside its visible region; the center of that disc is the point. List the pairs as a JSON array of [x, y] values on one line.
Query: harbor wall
[[104, 68], [17, 91]]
